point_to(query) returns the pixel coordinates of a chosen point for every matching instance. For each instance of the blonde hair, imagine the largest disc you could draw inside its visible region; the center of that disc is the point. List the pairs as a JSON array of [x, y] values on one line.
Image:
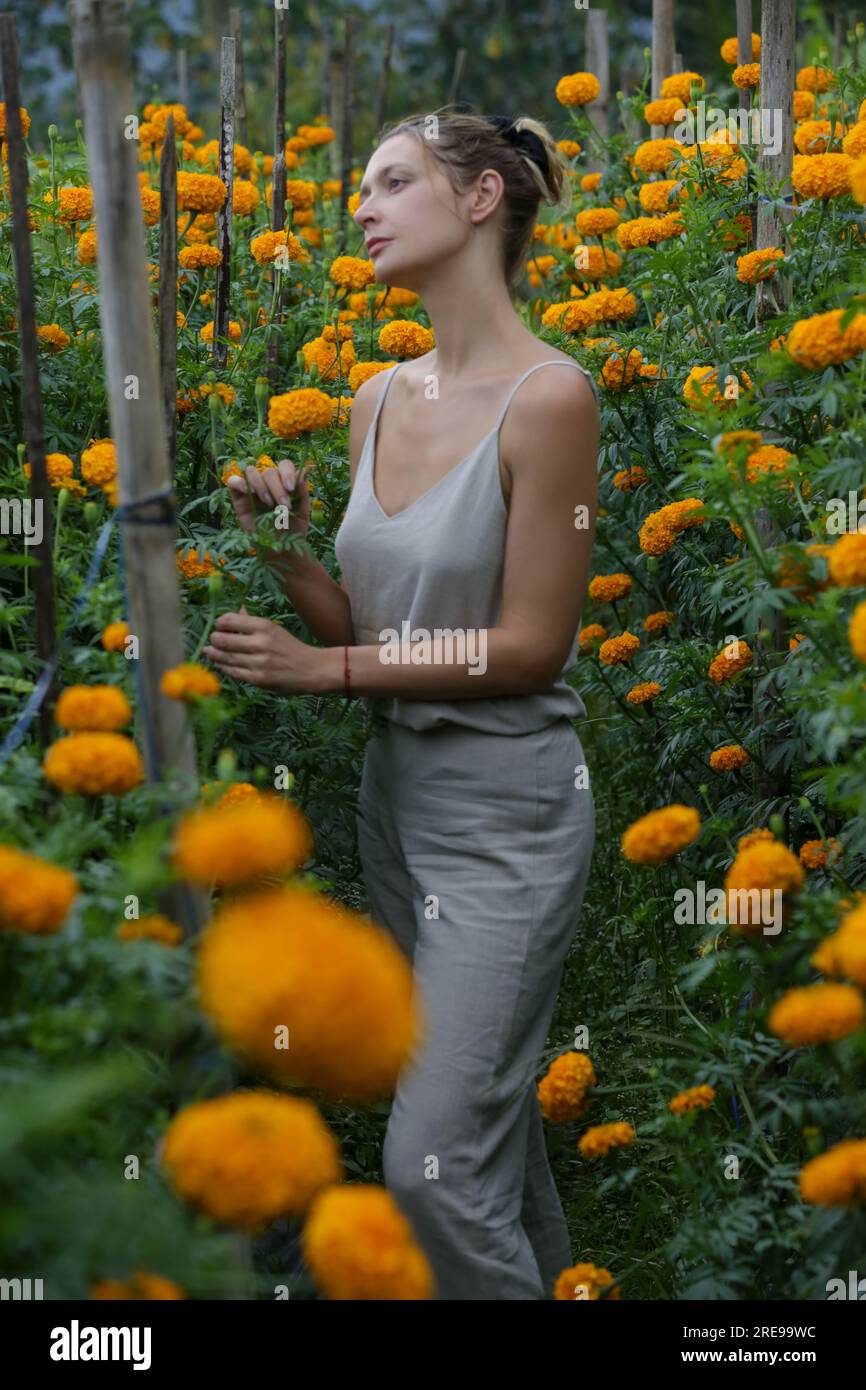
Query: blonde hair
[[533, 169]]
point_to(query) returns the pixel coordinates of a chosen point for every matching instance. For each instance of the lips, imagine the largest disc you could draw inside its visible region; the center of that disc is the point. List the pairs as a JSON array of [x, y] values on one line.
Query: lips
[[376, 244]]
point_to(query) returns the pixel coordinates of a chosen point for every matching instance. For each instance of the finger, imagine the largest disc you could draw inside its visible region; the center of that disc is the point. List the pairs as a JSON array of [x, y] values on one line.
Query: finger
[[288, 473], [276, 487], [247, 642], [238, 673], [239, 622], [257, 486]]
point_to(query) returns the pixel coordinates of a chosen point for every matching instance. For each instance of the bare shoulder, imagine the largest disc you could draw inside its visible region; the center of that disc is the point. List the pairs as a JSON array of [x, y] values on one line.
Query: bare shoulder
[[553, 405], [361, 417]]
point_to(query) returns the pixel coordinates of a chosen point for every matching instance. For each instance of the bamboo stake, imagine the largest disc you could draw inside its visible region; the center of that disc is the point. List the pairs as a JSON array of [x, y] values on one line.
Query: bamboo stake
[[168, 286], [777, 82], [598, 62], [279, 79], [662, 51], [744, 45], [337, 83], [457, 76], [325, 79], [278, 222], [236, 26], [384, 78], [183, 77], [348, 123], [42, 511], [101, 48], [224, 216]]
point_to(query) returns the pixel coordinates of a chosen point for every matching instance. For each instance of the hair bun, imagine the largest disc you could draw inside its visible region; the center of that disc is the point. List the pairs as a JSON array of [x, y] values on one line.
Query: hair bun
[[524, 140]]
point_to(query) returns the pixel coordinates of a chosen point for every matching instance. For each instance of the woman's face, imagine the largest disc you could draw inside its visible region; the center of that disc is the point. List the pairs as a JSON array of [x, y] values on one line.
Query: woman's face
[[412, 218]]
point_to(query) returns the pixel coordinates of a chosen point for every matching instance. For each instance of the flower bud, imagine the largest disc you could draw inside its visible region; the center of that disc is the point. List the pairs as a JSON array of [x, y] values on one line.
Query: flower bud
[[215, 584], [52, 131], [777, 825], [226, 764], [91, 513]]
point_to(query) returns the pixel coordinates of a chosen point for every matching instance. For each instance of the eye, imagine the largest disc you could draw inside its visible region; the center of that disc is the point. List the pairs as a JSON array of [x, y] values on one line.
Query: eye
[[395, 179]]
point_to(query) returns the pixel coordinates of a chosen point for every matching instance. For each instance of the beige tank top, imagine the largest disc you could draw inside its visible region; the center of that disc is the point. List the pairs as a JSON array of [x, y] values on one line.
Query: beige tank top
[[438, 564]]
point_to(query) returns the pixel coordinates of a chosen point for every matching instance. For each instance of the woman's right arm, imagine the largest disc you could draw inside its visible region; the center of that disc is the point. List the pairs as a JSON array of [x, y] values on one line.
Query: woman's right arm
[[321, 603]]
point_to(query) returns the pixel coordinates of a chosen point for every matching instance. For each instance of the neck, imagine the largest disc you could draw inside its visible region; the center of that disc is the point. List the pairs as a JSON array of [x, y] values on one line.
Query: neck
[[476, 327]]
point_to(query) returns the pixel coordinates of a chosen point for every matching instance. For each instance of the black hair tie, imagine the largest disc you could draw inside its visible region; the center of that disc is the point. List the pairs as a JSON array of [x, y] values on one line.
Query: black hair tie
[[524, 140]]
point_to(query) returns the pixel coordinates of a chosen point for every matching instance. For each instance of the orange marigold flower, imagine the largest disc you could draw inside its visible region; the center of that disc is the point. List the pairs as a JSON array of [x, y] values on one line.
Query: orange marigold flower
[[359, 1245], [817, 1014], [404, 338], [644, 693], [594, 632], [231, 844], [92, 707], [114, 636], [52, 336], [351, 272], [836, 1178], [250, 1157], [600, 1139], [727, 663], [815, 854], [627, 479], [814, 79], [563, 1092], [577, 89], [609, 588], [35, 896], [618, 649], [730, 49], [155, 927], [300, 412], [200, 192], [701, 388], [199, 257], [759, 265], [729, 759], [680, 85], [585, 1282], [846, 562], [94, 764], [654, 623], [189, 681], [695, 1098], [822, 175], [661, 834], [819, 341]]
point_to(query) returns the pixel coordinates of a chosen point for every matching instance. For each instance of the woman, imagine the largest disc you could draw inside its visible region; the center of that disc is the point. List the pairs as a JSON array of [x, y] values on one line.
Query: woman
[[472, 513]]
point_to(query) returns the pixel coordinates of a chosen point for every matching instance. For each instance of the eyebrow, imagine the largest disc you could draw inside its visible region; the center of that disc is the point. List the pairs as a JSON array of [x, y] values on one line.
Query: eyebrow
[[383, 173]]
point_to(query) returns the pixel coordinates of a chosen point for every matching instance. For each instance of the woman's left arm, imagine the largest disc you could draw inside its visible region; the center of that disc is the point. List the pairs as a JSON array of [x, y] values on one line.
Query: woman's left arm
[[549, 441]]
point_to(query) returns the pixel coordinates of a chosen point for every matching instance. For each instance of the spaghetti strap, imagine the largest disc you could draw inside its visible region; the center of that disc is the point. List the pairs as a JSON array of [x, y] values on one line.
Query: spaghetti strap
[[554, 362]]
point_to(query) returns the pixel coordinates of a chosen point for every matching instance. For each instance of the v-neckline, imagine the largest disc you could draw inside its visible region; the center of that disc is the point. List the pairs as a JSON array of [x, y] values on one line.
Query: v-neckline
[[373, 439]]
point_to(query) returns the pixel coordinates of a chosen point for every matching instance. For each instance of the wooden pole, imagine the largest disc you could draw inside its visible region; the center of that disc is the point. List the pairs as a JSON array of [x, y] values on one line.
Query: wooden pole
[[662, 51], [457, 76], [236, 26], [744, 45], [42, 512], [168, 287], [183, 77], [337, 83], [222, 294], [278, 222], [778, 21], [777, 85], [279, 80], [148, 535], [325, 79], [348, 122], [384, 79], [598, 62]]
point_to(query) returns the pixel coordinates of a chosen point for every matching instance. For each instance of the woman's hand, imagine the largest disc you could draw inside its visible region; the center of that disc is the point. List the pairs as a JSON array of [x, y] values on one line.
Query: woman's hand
[[262, 653], [279, 486]]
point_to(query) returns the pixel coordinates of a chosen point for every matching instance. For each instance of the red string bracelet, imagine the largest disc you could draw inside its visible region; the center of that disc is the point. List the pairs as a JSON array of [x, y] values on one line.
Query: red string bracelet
[[346, 671]]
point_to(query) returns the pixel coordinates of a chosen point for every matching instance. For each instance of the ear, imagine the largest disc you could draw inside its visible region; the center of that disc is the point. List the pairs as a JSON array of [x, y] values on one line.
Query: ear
[[487, 196]]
